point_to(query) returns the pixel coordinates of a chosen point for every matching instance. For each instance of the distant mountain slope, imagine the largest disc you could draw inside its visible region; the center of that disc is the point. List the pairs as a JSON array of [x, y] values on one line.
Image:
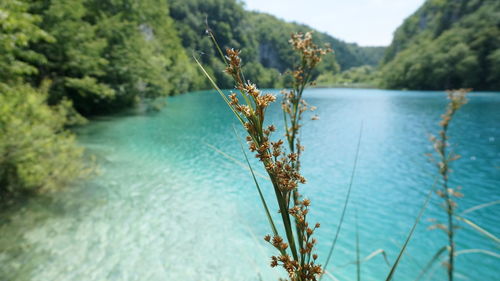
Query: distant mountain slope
[[274, 33], [446, 44], [262, 37]]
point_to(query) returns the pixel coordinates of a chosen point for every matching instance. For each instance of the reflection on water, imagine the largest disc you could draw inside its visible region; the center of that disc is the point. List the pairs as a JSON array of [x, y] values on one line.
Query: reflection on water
[[166, 206]]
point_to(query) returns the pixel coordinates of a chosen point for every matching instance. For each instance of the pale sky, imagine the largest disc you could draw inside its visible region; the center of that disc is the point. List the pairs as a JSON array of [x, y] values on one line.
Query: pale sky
[[366, 22]]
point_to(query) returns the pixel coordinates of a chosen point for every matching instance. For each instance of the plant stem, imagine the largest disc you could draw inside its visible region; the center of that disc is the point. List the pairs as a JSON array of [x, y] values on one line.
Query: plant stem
[[449, 204], [285, 217]]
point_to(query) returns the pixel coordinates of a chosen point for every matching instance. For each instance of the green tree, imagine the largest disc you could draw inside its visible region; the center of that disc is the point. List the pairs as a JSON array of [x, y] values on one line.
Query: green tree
[[111, 54], [37, 153], [75, 61], [146, 58], [444, 45], [18, 29]]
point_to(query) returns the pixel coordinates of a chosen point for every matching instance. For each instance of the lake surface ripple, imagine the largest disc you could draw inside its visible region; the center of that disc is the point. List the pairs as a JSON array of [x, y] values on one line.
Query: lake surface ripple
[[167, 205]]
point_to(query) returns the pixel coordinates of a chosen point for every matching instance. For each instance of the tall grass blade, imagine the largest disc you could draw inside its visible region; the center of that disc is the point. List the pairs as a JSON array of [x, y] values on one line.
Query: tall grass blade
[[477, 251], [430, 276], [475, 208], [429, 266], [236, 161], [369, 257], [410, 235], [346, 202], [358, 262], [223, 58], [218, 90], [263, 200], [431, 263], [330, 276], [479, 229], [214, 41], [381, 252], [260, 248]]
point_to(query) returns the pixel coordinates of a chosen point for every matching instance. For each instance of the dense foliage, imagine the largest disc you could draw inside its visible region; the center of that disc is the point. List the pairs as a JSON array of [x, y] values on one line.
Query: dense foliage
[[18, 29], [36, 152], [110, 54], [362, 76], [446, 44]]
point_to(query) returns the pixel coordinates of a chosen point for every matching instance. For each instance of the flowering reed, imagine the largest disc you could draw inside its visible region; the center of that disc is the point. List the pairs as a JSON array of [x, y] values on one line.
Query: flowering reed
[[456, 100], [296, 247], [292, 104]]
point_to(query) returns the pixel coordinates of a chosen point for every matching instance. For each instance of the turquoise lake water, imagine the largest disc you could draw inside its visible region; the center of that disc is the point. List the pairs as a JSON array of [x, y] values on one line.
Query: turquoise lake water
[[166, 205]]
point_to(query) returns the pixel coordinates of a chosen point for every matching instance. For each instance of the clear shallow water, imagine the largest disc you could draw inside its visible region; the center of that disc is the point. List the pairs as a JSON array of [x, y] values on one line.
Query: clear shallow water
[[167, 206]]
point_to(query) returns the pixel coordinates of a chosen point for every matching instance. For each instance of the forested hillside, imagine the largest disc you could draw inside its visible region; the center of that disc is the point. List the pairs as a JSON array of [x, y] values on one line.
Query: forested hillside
[[108, 54], [446, 44], [263, 38]]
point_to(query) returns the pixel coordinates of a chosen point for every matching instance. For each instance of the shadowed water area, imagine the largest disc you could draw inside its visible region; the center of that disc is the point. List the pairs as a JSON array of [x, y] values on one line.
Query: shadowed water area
[[171, 200]]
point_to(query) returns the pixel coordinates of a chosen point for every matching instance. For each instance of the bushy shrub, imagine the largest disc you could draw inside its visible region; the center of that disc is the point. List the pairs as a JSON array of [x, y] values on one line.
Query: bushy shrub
[[37, 154]]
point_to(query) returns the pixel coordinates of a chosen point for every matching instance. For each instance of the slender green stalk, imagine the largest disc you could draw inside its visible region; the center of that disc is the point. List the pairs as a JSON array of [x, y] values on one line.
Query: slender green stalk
[[477, 251], [346, 202], [390, 276], [479, 229], [214, 41], [263, 200], [218, 90], [358, 261], [449, 207], [481, 206], [457, 100], [369, 257], [236, 161], [431, 263]]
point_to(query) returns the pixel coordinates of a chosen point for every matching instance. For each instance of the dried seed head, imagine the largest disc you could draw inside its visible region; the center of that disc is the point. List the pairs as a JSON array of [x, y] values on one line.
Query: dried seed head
[[267, 238], [306, 202]]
